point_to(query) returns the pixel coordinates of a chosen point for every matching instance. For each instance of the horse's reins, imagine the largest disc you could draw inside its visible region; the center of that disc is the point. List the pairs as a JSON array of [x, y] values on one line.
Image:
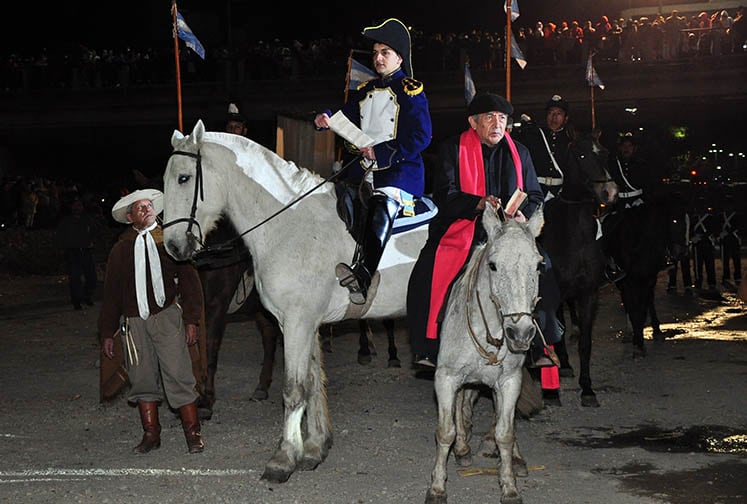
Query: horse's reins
[[198, 193], [491, 357]]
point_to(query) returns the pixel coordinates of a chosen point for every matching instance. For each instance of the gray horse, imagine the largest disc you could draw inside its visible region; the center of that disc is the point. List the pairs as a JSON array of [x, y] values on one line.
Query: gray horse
[[488, 326], [294, 253]]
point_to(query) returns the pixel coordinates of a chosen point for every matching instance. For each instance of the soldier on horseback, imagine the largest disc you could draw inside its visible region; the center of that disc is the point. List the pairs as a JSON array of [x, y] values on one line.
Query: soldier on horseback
[[393, 110]]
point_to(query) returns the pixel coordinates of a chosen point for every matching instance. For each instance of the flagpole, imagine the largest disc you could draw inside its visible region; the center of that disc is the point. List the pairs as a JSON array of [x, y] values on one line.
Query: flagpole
[[347, 75], [178, 69], [592, 85], [508, 49]]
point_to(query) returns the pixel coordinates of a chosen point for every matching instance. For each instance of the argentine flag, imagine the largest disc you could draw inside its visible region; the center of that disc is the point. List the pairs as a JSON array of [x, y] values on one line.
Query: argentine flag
[[514, 9], [359, 73], [185, 33]]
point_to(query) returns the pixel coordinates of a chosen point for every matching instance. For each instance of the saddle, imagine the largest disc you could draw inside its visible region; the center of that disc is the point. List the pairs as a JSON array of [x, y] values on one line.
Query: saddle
[[352, 211]]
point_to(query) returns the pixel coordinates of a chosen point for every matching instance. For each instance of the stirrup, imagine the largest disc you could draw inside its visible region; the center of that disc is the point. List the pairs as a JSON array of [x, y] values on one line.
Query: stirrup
[[348, 279]]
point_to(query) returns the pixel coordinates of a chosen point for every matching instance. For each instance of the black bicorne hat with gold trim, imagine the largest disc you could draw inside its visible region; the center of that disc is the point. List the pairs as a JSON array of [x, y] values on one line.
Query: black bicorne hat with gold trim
[[395, 34]]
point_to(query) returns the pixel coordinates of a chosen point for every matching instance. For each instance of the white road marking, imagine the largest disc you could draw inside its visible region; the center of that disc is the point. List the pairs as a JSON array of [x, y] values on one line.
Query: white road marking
[[61, 474]]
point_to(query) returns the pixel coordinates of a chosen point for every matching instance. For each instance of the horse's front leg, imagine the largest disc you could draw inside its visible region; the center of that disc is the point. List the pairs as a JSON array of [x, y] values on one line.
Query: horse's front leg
[[297, 351], [270, 331], [505, 396], [446, 390], [393, 361], [318, 429], [587, 312]]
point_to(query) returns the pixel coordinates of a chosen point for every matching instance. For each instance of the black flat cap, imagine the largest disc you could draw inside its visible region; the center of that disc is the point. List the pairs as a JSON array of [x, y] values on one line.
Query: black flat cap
[[489, 102], [557, 101]]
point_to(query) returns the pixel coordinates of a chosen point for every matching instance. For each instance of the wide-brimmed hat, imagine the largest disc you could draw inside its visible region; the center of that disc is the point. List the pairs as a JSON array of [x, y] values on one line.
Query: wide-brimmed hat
[[557, 101], [119, 210], [395, 34], [489, 102]]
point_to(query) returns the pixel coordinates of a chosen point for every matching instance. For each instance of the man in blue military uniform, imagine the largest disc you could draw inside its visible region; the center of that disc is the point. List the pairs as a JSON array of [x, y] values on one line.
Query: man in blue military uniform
[[393, 111]]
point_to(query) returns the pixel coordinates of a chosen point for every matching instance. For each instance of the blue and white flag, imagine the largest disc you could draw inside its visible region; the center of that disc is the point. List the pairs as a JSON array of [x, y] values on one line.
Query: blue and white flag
[[185, 33], [517, 54], [514, 9], [469, 85], [359, 73], [592, 78]]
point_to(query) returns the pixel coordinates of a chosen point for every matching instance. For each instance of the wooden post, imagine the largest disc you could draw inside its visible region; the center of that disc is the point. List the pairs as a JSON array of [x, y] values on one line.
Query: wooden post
[[178, 70], [508, 50]]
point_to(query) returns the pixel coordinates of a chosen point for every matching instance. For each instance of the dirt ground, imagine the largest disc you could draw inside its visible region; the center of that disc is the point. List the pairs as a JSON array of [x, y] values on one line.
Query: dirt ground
[[672, 428]]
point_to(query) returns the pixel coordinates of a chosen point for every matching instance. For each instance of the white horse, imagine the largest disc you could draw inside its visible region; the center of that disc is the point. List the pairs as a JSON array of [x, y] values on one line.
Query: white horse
[[488, 326], [210, 174]]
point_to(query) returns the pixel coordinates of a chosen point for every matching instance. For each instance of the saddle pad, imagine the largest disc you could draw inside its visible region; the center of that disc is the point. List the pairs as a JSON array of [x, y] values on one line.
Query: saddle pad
[[425, 210]]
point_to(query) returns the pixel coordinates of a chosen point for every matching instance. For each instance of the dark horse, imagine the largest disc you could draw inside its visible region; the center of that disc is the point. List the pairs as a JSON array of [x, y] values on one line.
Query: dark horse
[[644, 240], [226, 277], [570, 239]]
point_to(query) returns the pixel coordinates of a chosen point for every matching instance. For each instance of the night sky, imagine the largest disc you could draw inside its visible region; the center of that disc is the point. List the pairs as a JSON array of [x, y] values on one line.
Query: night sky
[[141, 23]]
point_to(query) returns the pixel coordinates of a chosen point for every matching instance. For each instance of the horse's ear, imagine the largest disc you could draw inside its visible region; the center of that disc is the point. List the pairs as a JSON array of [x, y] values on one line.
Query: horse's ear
[[536, 222], [175, 137], [197, 132], [491, 222]]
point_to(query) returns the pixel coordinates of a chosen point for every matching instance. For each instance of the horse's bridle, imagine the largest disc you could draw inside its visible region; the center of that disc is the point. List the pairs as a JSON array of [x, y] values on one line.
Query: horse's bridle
[[490, 356], [199, 193]]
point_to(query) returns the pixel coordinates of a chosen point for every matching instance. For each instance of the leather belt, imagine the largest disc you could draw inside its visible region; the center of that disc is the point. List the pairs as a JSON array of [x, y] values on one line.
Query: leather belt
[[550, 181], [631, 194]]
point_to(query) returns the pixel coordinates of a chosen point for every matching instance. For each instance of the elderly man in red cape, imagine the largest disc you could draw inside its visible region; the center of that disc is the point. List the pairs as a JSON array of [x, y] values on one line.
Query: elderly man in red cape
[[482, 165]]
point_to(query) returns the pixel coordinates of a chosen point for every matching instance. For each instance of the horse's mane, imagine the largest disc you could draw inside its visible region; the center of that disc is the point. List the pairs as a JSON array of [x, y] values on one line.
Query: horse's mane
[[266, 167]]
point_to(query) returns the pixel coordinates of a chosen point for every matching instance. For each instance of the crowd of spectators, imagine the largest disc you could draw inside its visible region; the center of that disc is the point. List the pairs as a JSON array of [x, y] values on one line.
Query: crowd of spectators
[[37, 202], [660, 38]]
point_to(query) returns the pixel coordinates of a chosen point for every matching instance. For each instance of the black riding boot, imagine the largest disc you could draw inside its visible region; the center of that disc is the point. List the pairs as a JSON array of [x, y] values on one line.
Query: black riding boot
[[379, 220]]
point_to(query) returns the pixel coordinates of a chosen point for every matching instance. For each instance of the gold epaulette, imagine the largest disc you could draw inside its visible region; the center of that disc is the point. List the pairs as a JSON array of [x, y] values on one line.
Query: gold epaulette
[[412, 87], [362, 85]]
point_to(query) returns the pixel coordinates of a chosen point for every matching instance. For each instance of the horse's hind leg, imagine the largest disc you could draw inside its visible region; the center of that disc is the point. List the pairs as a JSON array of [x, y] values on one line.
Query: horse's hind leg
[[393, 361], [587, 308], [446, 392], [318, 429], [465, 402], [364, 342]]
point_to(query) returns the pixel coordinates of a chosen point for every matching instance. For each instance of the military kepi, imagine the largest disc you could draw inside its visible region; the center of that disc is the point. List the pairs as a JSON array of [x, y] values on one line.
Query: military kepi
[[395, 34], [489, 102]]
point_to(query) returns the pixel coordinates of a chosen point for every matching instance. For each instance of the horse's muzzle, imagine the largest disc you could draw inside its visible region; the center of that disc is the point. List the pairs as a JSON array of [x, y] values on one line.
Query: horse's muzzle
[[519, 334]]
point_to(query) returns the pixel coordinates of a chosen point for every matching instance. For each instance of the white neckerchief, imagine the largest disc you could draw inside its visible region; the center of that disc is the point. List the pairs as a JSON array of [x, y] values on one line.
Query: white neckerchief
[[143, 240]]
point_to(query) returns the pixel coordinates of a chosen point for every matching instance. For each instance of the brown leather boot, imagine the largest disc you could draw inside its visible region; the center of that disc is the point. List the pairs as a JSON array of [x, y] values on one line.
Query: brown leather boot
[[191, 425], [151, 427]]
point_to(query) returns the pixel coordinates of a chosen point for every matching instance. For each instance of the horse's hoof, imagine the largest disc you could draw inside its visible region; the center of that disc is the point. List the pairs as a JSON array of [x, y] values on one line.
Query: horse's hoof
[[511, 499], [589, 401], [658, 335], [276, 475], [488, 449], [566, 372], [308, 463], [463, 460], [364, 360], [435, 498], [520, 467], [639, 352], [259, 395], [394, 363]]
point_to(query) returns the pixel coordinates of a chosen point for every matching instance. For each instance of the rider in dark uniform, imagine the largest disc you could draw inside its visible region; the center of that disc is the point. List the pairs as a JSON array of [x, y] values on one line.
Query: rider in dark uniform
[[548, 144]]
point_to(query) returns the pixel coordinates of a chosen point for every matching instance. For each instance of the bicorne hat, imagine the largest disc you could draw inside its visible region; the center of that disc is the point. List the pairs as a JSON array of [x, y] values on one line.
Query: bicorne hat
[[395, 34]]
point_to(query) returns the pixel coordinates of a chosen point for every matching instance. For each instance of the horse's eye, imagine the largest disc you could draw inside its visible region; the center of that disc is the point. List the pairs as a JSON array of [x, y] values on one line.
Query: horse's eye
[[492, 267], [183, 179]]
